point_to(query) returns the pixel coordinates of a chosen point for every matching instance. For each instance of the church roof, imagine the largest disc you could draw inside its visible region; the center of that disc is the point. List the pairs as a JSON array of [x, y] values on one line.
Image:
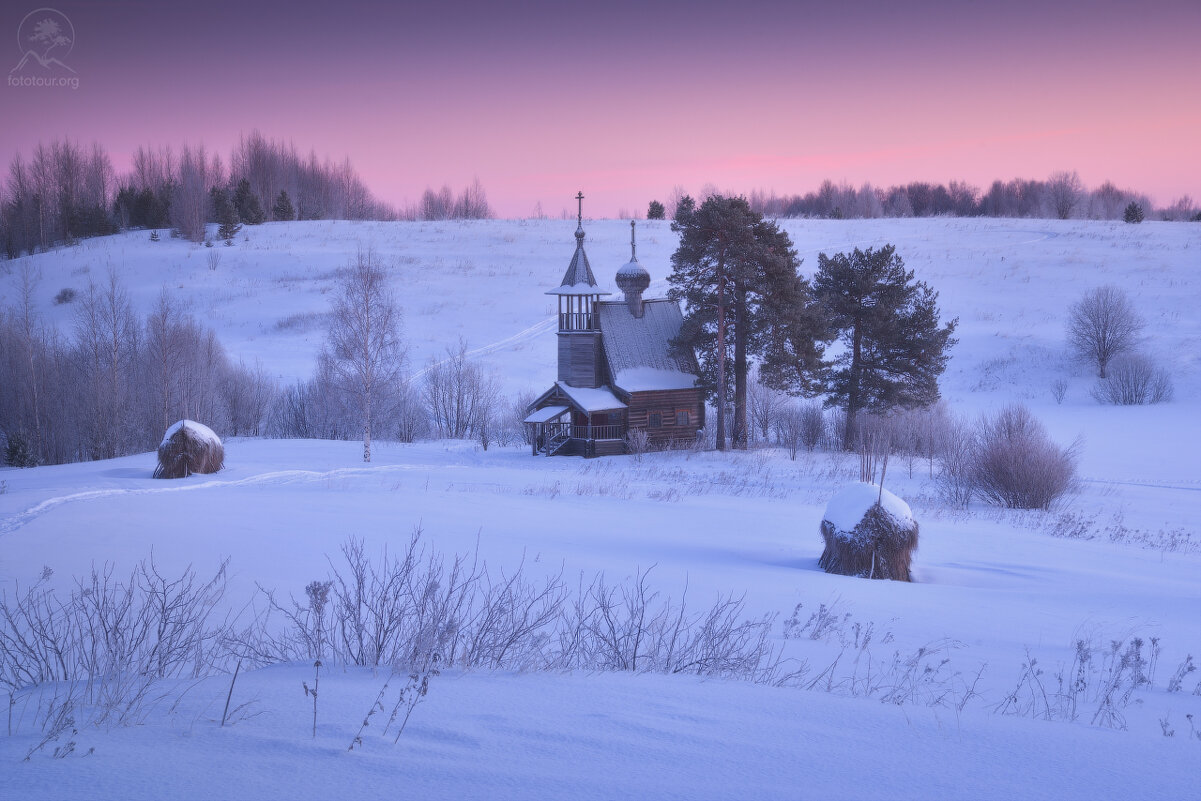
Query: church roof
[[578, 280], [579, 271], [633, 275], [639, 350]]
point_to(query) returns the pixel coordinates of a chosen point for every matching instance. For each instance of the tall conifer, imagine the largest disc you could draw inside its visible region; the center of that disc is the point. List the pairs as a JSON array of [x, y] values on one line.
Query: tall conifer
[[737, 274], [894, 348]]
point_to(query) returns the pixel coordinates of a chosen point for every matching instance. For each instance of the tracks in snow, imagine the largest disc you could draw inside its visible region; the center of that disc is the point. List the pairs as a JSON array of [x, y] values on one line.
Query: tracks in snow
[[280, 477], [540, 327]]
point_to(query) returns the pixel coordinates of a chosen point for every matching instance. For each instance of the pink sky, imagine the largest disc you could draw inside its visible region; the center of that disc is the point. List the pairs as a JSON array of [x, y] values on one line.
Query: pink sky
[[625, 100]]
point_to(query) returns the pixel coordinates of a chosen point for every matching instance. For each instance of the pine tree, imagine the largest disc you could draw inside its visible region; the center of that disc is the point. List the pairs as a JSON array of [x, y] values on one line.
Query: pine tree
[[894, 348], [246, 202], [685, 206], [655, 211], [737, 274], [282, 210], [1133, 213], [225, 214], [17, 452]]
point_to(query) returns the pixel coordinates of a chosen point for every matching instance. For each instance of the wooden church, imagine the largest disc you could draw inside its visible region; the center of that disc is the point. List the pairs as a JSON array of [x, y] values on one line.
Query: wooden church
[[618, 369]]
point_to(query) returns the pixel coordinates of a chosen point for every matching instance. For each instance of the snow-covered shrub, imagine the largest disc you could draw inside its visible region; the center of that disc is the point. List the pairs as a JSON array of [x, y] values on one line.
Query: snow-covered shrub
[[764, 407], [106, 641], [518, 410], [420, 608], [955, 455], [247, 395], [1015, 463], [868, 532], [800, 424], [835, 430], [460, 396], [876, 437], [1134, 379], [637, 443], [412, 422], [628, 627], [310, 410], [812, 425]]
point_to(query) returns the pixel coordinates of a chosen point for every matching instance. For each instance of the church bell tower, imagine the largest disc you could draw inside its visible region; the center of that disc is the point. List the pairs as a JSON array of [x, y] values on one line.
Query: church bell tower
[[579, 332]]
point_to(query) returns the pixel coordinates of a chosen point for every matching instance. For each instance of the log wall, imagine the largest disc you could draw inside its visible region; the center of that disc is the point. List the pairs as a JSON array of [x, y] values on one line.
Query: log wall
[[579, 358], [667, 403]]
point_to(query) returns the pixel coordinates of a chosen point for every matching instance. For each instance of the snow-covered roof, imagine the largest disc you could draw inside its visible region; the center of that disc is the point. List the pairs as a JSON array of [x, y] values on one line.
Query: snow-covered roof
[[578, 280], [849, 505], [632, 268], [545, 414], [647, 379], [639, 349], [598, 399], [199, 430], [578, 289]]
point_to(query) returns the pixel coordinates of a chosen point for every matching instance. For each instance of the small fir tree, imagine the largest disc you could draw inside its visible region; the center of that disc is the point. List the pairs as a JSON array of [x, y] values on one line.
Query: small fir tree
[[895, 349], [1133, 213], [656, 211], [283, 210], [18, 453], [246, 202], [225, 215]]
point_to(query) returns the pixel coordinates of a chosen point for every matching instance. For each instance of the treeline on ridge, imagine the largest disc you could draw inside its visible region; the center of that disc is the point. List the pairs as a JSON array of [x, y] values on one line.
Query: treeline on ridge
[[1061, 196], [63, 192]]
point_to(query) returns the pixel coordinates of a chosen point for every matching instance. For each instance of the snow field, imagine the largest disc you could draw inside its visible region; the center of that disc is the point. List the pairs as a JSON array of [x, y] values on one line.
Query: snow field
[[990, 584]]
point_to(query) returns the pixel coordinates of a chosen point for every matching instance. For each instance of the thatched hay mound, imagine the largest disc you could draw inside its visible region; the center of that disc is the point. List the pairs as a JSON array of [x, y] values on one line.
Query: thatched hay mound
[[189, 447], [868, 534]]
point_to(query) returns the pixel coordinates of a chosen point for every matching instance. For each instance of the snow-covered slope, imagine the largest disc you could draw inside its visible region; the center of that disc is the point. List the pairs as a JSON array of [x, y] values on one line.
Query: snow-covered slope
[[992, 588], [1009, 282]]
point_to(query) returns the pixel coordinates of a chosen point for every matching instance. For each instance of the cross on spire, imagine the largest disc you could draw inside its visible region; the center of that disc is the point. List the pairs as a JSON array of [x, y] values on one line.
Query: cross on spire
[[633, 247], [580, 218]]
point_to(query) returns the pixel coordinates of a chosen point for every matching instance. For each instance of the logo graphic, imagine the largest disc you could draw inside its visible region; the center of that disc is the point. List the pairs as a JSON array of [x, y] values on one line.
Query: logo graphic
[[45, 38]]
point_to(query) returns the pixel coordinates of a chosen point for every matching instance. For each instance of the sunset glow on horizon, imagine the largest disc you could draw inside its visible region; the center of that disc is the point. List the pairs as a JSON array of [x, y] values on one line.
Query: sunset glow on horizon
[[626, 101]]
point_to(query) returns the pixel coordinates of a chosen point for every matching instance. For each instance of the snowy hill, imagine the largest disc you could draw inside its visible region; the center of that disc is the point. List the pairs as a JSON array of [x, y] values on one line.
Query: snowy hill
[[1009, 282], [994, 589]]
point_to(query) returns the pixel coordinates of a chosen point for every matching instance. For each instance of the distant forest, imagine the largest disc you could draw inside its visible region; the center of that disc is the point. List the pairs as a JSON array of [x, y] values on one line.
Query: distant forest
[[1061, 196], [63, 192]]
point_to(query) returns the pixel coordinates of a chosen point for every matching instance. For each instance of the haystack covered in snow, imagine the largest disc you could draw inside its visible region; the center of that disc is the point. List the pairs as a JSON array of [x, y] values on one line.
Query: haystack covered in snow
[[189, 447], [868, 532]]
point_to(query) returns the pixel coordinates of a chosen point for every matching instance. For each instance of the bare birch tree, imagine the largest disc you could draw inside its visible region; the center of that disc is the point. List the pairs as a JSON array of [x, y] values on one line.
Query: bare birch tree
[[365, 353], [164, 354], [106, 336], [1064, 193], [1103, 324], [31, 338]]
